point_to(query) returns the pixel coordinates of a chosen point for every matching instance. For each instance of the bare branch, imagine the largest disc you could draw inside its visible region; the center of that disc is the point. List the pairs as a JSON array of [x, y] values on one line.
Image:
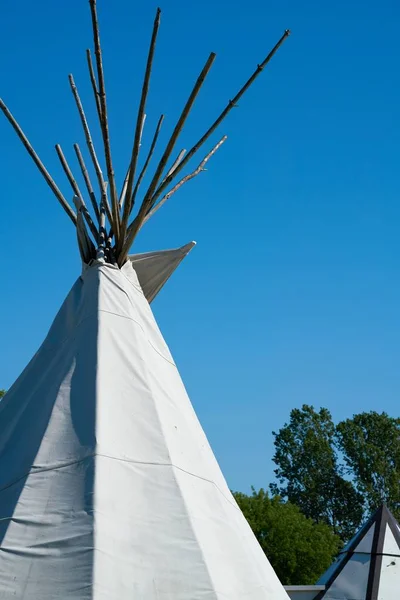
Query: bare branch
[[147, 201], [49, 180], [88, 183], [94, 83], [104, 120], [90, 145], [231, 104], [139, 126], [184, 180], [76, 191]]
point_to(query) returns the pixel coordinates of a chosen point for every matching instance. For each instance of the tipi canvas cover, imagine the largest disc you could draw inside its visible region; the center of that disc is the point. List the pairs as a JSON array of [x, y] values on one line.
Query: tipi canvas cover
[[109, 489], [368, 568]]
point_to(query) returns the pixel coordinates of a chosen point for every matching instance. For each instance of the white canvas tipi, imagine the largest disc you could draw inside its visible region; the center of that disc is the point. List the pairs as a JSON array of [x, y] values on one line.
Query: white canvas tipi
[[368, 567], [109, 489]]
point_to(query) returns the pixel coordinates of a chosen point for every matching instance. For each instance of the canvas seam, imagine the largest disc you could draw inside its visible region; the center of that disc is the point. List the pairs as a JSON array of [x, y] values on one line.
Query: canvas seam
[[213, 591], [126, 460], [73, 335]]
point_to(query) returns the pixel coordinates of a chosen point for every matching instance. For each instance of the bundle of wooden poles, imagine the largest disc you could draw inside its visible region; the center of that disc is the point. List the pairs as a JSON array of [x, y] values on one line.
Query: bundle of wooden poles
[[108, 230]]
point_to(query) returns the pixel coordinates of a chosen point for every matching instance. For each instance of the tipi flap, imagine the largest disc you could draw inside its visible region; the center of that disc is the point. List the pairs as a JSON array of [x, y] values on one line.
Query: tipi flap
[[155, 268]]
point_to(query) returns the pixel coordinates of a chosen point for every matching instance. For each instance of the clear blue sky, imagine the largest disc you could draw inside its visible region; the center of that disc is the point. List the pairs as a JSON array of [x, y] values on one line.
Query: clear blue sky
[[292, 294]]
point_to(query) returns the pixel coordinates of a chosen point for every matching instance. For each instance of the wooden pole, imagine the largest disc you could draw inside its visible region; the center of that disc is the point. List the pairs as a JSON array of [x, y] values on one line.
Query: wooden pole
[[143, 171], [76, 191], [184, 180], [136, 143], [176, 163], [90, 146], [81, 239], [94, 84], [49, 180], [88, 183], [146, 203], [124, 187], [123, 191], [147, 161], [86, 247], [100, 255], [154, 193], [231, 104], [179, 126], [104, 120]]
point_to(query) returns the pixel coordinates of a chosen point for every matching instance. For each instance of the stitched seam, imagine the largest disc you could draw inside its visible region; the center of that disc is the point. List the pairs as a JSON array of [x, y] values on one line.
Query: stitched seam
[[127, 460]]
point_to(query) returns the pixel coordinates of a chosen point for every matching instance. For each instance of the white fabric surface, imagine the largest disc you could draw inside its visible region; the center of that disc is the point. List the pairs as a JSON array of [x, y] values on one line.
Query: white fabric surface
[[109, 489], [155, 268], [352, 581]]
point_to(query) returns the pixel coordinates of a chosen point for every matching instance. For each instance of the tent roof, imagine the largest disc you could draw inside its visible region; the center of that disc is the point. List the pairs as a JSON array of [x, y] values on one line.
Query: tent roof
[[109, 488], [368, 567]]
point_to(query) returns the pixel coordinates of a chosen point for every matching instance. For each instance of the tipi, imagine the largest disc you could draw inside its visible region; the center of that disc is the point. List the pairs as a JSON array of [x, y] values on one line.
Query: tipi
[[109, 489], [368, 568]]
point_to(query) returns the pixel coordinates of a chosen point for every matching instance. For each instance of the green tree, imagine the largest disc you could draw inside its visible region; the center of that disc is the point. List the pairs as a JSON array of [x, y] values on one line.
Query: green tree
[[309, 473], [370, 443], [2, 392], [299, 549]]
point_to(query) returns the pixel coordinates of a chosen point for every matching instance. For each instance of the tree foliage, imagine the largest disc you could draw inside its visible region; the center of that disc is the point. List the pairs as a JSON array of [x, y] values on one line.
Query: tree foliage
[[370, 444], [309, 473], [299, 549], [2, 393], [338, 474]]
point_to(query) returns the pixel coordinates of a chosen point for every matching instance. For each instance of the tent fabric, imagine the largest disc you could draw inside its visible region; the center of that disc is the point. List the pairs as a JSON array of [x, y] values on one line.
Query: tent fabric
[[353, 580], [108, 486], [155, 268], [389, 575], [368, 568]]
